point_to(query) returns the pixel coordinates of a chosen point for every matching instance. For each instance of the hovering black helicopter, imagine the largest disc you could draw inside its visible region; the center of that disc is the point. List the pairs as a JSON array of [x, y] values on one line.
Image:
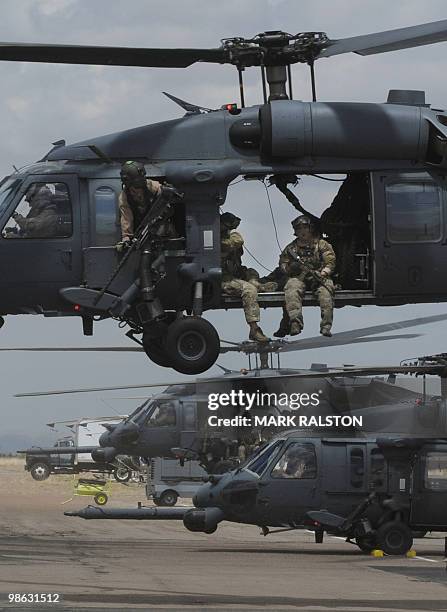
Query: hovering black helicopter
[[385, 224], [376, 491], [191, 420]]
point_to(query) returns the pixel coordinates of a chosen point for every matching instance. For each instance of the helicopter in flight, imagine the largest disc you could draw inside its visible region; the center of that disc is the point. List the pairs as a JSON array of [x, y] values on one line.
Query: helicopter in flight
[[375, 491], [385, 223], [220, 421]]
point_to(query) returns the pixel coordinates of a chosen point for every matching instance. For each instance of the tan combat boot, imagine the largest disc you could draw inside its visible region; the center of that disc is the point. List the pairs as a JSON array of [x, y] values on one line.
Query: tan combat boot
[[256, 333], [295, 328]]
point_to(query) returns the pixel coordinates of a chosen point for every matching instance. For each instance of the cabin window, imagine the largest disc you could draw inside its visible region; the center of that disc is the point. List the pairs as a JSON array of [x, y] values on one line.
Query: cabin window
[[298, 461], [413, 212], [189, 416], [357, 467], [163, 415], [43, 212], [377, 474], [106, 221], [435, 476]]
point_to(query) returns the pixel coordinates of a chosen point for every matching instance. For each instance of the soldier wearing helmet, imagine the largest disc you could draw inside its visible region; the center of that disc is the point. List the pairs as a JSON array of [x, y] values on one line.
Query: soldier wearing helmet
[[42, 219], [135, 200], [233, 272], [308, 262]]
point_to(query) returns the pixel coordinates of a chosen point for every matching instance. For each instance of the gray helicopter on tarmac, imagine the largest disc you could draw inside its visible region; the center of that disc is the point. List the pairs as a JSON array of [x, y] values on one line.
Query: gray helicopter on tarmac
[[385, 223], [220, 421], [375, 491]]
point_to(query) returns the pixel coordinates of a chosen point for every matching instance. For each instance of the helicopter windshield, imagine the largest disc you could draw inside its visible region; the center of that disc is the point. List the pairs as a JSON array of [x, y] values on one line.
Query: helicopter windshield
[[137, 411], [7, 189], [260, 461]]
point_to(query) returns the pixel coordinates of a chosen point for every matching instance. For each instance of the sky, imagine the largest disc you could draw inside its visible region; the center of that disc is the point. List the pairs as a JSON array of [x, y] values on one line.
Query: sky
[[44, 103]]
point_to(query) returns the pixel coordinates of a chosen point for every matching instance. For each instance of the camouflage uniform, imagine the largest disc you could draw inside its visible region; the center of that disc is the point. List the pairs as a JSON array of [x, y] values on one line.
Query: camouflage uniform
[[231, 255], [318, 255], [42, 219], [134, 203]]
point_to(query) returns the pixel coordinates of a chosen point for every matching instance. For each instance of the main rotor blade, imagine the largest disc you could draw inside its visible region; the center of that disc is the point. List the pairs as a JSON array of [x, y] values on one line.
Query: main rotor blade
[[93, 389], [108, 56], [49, 349], [434, 370], [357, 335], [390, 40]]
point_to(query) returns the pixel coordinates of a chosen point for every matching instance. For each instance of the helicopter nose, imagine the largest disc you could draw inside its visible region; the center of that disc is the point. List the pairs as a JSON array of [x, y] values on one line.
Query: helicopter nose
[[125, 433], [104, 455], [104, 439]]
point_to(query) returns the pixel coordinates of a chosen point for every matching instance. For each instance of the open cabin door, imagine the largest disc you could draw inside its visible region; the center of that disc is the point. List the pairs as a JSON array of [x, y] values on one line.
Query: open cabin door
[[409, 212]]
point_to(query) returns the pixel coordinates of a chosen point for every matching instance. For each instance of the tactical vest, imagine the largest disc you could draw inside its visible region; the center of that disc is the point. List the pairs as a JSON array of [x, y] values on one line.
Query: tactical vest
[[140, 209]]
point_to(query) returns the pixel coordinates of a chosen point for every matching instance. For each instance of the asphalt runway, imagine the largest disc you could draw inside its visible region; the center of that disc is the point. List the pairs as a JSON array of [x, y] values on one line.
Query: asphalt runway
[[106, 565]]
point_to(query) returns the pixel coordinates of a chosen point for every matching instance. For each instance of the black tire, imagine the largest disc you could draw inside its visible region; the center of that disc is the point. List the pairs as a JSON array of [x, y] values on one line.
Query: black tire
[[156, 351], [192, 344], [122, 474], [168, 498], [394, 538], [40, 471]]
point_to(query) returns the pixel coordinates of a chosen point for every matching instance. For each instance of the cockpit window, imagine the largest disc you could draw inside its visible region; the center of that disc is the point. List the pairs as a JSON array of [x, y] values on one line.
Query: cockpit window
[[259, 463], [43, 212], [163, 415], [7, 189], [298, 461], [137, 411]]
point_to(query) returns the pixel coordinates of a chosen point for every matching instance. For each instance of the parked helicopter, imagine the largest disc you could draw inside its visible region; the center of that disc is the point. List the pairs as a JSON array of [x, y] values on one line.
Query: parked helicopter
[[391, 204], [376, 491], [221, 420]]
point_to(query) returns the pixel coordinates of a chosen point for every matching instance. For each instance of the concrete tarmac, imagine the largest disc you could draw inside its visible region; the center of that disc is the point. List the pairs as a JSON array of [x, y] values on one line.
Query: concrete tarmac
[[107, 565]]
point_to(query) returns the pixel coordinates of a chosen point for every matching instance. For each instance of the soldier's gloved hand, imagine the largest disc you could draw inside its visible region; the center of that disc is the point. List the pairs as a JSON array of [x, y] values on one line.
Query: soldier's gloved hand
[[122, 246], [171, 193], [294, 268]]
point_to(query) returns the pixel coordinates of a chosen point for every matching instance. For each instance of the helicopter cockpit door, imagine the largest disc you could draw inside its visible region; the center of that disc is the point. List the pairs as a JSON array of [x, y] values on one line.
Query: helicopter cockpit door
[[161, 427], [40, 244], [289, 487], [410, 236]]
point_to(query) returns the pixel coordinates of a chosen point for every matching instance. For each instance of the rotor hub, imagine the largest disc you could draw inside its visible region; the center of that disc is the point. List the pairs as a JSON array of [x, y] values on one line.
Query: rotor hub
[[274, 48]]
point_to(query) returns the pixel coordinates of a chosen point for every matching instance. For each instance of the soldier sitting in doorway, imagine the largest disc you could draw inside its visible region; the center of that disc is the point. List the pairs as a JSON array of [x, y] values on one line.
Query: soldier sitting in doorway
[[308, 262], [234, 274]]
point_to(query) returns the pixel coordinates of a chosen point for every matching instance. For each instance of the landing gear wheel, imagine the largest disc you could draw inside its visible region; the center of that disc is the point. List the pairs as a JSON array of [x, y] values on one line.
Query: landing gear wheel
[[122, 474], [167, 498], [155, 350], [192, 344], [101, 499], [394, 538]]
